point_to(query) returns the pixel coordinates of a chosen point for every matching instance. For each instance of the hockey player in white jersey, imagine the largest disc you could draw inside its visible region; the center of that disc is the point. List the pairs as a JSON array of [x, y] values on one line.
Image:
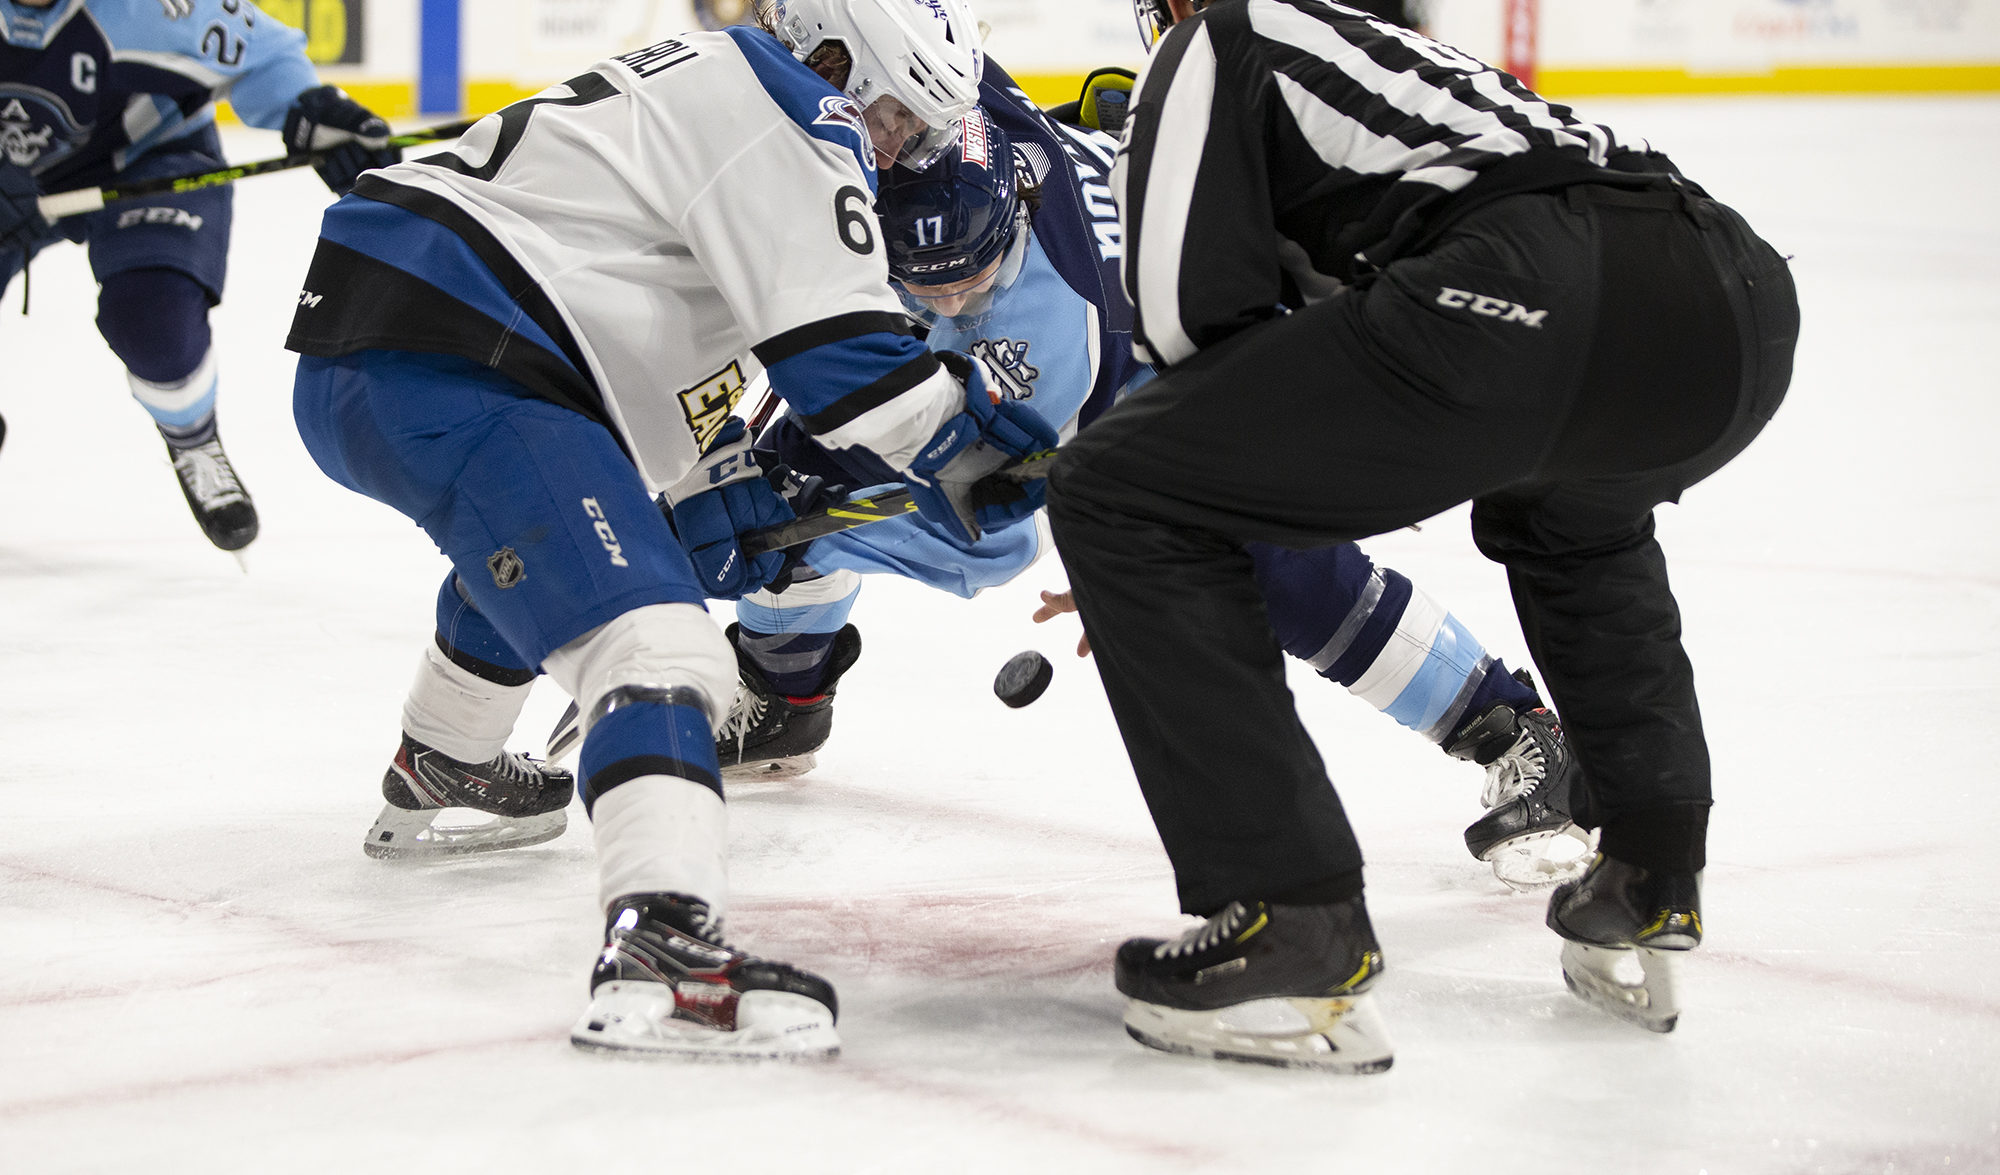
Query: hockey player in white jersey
[[97, 93], [519, 342]]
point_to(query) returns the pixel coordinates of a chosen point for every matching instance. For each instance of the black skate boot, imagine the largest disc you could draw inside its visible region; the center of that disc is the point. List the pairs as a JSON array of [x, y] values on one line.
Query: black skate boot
[[1530, 777], [1279, 985], [216, 495], [526, 799], [667, 984], [768, 735], [1616, 911]]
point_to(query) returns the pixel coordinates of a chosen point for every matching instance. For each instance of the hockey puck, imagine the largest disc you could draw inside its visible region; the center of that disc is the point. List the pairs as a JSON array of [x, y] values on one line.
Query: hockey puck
[[1023, 678]]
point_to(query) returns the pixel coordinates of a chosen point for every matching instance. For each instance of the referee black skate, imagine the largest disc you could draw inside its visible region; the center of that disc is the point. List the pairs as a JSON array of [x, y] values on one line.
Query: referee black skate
[[1383, 280]]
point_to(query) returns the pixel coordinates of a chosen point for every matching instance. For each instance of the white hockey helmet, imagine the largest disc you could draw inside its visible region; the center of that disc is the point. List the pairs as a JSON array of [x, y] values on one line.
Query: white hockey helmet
[[914, 66]]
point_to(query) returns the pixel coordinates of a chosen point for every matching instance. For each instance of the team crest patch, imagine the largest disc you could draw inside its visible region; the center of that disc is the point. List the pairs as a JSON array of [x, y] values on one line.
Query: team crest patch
[[506, 567], [20, 137], [1007, 361], [840, 110]]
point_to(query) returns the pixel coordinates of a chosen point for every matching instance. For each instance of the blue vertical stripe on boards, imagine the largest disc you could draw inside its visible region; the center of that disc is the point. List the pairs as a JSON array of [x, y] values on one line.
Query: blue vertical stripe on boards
[[438, 82]]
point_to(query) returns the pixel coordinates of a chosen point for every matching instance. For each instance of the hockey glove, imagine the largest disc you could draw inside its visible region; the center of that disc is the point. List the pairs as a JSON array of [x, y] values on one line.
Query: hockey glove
[[951, 478], [723, 497], [21, 223], [355, 140]]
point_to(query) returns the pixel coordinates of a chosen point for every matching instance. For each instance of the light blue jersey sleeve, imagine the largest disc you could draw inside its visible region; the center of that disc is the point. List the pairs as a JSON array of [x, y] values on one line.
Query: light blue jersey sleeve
[[1039, 337], [230, 48]]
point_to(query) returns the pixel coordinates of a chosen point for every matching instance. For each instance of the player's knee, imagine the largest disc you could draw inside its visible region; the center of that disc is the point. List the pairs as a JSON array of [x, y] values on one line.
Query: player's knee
[[156, 321]]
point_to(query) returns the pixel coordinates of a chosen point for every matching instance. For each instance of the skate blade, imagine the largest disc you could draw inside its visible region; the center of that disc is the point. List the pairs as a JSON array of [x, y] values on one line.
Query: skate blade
[[789, 767], [1652, 1003], [566, 736], [1331, 1035], [405, 835], [1542, 859], [637, 1019]]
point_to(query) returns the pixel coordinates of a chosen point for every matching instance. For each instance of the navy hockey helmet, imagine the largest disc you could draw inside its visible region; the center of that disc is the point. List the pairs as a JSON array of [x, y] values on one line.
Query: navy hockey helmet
[[954, 218], [26, 27]]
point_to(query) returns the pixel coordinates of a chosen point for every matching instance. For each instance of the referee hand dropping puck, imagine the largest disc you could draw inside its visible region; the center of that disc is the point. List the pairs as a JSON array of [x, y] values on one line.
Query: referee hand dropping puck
[[1023, 678]]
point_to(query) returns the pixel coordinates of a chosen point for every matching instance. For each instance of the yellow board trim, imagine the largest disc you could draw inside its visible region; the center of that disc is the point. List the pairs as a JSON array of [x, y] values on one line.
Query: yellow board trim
[[1783, 79], [397, 100]]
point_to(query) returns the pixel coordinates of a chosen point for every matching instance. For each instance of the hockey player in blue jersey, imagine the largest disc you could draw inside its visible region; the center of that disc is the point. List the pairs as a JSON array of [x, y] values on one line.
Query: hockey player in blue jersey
[[98, 92], [519, 342], [1024, 276]]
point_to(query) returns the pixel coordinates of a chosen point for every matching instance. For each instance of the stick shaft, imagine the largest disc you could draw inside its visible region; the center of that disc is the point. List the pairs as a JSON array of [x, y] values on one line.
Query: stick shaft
[[57, 205]]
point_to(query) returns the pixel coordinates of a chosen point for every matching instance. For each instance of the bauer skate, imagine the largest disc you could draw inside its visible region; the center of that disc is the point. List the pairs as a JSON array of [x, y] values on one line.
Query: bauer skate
[[524, 798], [1528, 834], [668, 985], [1277, 985], [1616, 915], [215, 494]]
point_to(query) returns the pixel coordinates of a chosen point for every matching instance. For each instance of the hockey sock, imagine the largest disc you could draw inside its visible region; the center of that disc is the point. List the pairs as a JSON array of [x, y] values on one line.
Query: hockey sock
[[789, 635], [653, 789], [470, 639], [156, 321], [1495, 688], [1369, 629], [458, 711]]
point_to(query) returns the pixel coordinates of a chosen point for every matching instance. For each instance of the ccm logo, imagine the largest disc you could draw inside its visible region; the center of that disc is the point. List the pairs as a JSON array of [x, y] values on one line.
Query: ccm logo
[[1491, 307], [604, 535]]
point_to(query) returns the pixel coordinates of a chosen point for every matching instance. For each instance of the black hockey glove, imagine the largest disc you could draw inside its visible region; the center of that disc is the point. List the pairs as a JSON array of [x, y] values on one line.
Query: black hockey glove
[[21, 223], [355, 140]]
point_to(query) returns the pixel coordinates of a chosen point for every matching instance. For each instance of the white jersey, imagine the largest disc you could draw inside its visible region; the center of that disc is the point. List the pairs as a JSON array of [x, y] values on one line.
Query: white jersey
[[637, 244]]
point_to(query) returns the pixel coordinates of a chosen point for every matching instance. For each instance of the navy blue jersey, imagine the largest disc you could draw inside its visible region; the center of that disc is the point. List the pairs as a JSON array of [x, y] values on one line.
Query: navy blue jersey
[[1076, 225], [114, 78]]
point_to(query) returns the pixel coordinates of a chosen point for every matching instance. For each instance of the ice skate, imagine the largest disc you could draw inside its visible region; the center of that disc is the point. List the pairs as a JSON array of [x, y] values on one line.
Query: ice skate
[[1528, 835], [524, 798], [667, 985], [1619, 919], [769, 735], [215, 494], [1277, 985]]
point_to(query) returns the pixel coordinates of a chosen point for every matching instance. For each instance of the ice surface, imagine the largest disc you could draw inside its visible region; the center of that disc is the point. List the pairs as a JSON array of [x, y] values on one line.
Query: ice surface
[[199, 970]]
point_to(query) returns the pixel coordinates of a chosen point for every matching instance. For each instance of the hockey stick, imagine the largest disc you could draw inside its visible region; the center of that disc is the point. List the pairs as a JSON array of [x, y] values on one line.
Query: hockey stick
[[77, 201], [841, 516]]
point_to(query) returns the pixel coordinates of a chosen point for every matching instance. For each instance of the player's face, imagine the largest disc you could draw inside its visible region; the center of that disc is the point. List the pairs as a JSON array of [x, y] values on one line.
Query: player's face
[[890, 126], [947, 300]]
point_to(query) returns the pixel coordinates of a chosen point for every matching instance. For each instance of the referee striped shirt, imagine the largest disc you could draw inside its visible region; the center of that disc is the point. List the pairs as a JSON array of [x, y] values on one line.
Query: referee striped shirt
[[1280, 148]]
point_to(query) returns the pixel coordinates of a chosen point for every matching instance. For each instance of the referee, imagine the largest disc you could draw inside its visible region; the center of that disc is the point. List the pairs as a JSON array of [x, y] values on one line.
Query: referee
[[1384, 279]]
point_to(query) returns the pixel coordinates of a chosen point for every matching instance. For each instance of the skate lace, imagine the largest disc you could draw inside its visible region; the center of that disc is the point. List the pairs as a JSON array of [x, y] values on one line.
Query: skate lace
[[205, 470], [1196, 939], [513, 768], [746, 711], [1517, 772]]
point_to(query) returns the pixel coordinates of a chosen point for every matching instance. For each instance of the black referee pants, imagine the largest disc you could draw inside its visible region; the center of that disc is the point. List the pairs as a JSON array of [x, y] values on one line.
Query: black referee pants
[[1564, 361]]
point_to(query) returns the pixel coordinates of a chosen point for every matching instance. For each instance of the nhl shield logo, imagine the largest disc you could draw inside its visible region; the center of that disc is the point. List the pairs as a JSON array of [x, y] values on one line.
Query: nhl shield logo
[[506, 567]]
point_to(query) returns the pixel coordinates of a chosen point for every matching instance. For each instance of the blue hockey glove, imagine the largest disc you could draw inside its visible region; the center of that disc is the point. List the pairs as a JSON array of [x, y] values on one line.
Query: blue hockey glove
[[950, 479], [723, 497], [21, 223], [326, 119]]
